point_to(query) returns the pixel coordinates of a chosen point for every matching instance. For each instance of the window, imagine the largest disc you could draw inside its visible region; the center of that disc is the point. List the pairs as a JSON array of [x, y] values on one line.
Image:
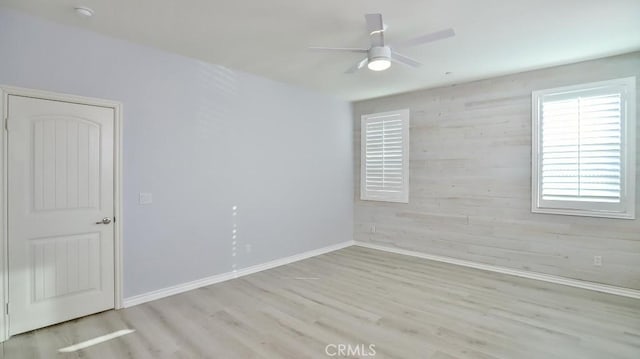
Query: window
[[384, 169], [584, 150]]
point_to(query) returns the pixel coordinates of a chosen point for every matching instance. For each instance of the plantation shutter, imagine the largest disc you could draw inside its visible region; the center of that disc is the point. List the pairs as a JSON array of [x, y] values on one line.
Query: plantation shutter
[[385, 163], [582, 148]]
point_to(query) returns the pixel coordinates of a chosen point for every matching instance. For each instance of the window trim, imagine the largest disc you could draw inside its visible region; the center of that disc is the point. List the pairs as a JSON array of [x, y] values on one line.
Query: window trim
[[626, 209], [401, 197]]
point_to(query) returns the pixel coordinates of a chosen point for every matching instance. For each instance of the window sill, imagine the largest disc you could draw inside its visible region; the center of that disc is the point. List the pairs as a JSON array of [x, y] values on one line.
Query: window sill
[[585, 213]]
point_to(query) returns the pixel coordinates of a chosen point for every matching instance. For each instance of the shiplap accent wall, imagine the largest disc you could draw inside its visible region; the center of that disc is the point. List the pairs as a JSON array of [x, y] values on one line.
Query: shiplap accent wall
[[470, 175]]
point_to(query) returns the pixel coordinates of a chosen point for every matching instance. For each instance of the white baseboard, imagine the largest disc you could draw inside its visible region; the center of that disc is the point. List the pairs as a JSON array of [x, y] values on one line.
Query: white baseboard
[[184, 287], [598, 287]]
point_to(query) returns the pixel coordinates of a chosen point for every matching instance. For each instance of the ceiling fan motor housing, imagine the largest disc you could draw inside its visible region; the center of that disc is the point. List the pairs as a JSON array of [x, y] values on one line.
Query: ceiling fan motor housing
[[379, 53]]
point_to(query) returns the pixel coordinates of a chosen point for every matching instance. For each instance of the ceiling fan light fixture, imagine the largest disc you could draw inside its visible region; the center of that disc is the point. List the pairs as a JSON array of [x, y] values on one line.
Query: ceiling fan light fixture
[[379, 58], [379, 64]]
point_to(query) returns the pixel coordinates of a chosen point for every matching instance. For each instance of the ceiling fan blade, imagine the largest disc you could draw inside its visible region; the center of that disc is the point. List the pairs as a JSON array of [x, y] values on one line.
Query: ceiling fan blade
[[357, 66], [375, 27], [424, 39], [338, 49], [405, 60]]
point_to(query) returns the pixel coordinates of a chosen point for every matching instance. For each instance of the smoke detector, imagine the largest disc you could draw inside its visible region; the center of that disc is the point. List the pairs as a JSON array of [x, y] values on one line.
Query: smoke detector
[[84, 11]]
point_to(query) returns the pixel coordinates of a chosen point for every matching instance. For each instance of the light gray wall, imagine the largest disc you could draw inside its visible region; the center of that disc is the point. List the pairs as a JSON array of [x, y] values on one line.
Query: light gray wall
[[202, 139], [471, 182]]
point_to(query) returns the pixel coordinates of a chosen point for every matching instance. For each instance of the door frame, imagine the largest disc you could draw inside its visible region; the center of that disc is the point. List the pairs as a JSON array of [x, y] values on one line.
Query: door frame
[[5, 92]]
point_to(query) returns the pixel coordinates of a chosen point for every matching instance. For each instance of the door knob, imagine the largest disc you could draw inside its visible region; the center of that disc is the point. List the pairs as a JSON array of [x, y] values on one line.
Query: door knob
[[105, 220]]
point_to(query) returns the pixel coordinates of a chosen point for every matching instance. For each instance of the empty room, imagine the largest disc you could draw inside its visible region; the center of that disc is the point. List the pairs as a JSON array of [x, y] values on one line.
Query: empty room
[[429, 179]]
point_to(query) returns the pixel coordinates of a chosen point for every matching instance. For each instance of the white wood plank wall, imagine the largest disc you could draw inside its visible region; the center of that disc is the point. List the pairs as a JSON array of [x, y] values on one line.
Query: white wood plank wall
[[470, 181]]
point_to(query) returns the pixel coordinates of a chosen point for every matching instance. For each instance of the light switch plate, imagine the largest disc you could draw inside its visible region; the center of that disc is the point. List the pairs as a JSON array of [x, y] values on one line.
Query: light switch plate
[[145, 198]]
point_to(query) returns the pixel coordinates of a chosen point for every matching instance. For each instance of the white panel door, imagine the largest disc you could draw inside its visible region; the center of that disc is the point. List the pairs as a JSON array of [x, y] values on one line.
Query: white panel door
[[60, 183]]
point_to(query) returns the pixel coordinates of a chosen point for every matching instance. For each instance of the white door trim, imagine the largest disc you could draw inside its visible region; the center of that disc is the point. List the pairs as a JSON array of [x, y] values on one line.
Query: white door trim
[[5, 91]]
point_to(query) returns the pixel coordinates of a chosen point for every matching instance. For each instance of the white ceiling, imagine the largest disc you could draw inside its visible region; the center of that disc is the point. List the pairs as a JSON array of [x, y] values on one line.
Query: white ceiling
[[269, 38]]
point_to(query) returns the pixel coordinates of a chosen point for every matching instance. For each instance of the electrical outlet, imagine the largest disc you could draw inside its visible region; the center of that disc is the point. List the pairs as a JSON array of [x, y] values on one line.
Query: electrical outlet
[[373, 228], [597, 261], [247, 248]]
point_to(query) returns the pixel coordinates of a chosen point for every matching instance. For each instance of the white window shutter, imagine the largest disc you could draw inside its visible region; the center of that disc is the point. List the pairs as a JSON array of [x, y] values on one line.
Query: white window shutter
[[584, 150], [385, 156]]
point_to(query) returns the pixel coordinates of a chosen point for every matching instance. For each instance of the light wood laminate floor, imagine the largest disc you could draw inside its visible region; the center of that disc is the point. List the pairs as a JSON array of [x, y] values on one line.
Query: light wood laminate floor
[[408, 307]]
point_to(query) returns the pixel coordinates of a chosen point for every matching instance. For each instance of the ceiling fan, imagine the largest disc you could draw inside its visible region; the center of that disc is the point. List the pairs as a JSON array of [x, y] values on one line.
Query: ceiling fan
[[380, 55]]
